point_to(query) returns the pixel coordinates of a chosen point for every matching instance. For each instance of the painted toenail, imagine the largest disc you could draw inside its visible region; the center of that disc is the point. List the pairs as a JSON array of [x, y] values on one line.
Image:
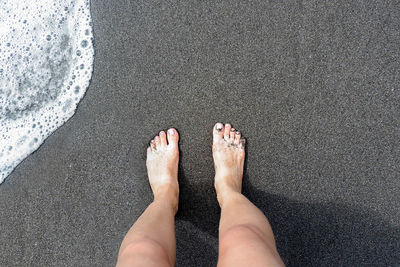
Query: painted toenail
[[171, 131], [219, 127]]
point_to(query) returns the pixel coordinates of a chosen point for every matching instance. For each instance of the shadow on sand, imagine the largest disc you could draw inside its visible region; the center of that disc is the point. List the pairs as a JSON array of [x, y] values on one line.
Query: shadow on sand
[[306, 234]]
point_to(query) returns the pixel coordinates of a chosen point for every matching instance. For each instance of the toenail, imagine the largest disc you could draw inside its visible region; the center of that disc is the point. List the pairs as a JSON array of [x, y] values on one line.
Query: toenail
[[171, 131], [156, 138], [237, 132], [233, 129], [227, 125], [219, 127], [162, 133]]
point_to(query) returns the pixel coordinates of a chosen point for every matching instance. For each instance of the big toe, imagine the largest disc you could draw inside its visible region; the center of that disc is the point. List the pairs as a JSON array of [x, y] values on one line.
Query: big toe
[[173, 138], [218, 132]]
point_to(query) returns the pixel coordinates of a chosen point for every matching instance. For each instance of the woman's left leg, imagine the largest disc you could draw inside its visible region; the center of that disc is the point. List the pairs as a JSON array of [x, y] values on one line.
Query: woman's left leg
[[151, 240]]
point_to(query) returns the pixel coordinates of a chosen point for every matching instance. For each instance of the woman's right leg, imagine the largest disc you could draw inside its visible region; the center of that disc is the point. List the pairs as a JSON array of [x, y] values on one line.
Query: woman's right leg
[[245, 235]]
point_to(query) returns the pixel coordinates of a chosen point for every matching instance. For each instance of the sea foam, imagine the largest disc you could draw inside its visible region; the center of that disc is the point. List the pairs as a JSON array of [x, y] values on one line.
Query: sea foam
[[46, 60]]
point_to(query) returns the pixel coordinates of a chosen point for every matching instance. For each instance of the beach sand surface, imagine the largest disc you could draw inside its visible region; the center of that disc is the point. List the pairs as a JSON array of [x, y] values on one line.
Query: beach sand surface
[[313, 87]]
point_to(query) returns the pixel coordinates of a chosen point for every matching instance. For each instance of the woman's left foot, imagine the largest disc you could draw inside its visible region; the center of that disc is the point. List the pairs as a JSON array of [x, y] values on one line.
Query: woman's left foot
[[162, 167]]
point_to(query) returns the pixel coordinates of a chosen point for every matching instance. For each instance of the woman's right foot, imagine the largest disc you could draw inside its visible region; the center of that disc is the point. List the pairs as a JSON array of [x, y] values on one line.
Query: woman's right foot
[[162, 167], [228, 152]]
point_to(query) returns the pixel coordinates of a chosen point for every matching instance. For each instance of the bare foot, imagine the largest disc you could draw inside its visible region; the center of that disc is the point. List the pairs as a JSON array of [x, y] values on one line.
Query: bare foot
[[162, 167], [228, 153]]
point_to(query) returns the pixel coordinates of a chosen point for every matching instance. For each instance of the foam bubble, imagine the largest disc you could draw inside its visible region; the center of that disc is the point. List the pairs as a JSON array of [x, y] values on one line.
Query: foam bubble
[[46, 59]]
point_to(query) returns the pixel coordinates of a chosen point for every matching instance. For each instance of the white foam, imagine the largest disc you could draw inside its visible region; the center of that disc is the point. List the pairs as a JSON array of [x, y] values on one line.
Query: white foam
[[46, 58]]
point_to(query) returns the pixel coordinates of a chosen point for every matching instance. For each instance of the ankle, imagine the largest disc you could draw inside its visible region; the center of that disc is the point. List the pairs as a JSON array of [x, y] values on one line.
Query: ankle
[[167, 195], [227, 195], [227, 183]]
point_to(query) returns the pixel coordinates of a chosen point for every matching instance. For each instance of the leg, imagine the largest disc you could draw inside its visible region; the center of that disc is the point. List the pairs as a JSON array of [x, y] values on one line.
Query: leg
[[245, 235], [151, 240]]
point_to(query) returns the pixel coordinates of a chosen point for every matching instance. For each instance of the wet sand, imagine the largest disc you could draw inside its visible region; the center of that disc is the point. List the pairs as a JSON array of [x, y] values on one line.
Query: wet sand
[[314, 89]]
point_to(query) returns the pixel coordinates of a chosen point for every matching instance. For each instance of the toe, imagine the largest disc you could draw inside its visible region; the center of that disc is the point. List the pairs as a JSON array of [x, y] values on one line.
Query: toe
[[218, 132], [163, 139], [148, 150], [232, 134], [152, 145], [173, 137], [157, 141], [227, 131], [242, 142], [237, 138]]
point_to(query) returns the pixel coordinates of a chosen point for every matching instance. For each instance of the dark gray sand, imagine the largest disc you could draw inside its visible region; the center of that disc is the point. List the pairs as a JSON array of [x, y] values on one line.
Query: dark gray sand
[[315, 88]]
